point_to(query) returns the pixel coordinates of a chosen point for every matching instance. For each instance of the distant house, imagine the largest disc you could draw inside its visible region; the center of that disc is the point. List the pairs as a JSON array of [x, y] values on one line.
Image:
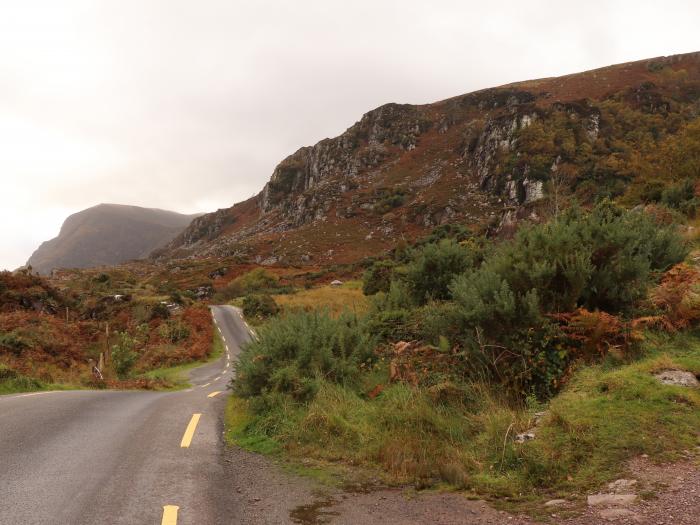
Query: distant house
[[336, 283]]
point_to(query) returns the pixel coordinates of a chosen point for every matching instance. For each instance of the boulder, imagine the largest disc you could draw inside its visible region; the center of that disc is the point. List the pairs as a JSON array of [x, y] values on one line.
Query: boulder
[[677, 377]]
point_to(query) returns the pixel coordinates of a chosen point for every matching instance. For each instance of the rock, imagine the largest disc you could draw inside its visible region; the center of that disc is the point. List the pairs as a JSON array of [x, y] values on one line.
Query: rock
[[555, 502], [622, 485], [533, 190], [525, 436], [678, 378], [597, 500], [336, 283]]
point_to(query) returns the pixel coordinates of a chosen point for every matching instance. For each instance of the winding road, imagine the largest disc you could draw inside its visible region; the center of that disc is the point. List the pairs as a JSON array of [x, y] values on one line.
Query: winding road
[[118, 457]]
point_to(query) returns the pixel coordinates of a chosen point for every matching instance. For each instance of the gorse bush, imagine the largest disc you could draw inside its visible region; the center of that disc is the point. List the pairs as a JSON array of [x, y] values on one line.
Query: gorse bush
[[300, 348], [259, 306], [434, 266]]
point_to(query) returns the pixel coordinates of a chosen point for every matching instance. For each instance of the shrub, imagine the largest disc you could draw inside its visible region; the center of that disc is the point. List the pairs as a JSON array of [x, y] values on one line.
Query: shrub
[[159, 311], [434, 266], [377, 278], [296, 350], [123, 355], [604, 259], [259, 306]]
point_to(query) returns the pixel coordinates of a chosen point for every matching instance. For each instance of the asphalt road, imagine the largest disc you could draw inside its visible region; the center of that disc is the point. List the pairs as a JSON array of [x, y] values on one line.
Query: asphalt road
[[114, 457]]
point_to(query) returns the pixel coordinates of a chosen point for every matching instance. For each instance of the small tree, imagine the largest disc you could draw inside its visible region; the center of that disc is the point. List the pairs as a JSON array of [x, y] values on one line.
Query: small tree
[[124, 355]]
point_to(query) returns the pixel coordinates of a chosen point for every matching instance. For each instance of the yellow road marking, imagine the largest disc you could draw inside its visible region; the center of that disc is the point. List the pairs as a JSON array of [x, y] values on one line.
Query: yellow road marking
[[214, 394], [170, 515], [189, 432]]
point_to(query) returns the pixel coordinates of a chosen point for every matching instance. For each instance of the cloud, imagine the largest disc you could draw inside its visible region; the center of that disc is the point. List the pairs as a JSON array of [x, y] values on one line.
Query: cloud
[[189, 105]]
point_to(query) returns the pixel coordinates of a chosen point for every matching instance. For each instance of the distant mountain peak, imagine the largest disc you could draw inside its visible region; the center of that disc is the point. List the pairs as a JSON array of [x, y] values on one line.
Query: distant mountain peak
[[108, 234]]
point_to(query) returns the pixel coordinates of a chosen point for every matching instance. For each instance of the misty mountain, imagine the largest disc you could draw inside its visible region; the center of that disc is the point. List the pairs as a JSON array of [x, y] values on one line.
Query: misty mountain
[[108, 234]]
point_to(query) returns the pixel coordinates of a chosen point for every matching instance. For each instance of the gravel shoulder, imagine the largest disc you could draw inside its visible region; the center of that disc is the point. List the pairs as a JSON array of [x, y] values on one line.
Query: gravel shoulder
[[262, 492]]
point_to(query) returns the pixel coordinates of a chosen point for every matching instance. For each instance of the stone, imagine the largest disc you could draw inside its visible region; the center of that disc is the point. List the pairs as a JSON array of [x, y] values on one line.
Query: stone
[[678, 378], [525, 436], [597, 500], [622, 485], [555, 502]]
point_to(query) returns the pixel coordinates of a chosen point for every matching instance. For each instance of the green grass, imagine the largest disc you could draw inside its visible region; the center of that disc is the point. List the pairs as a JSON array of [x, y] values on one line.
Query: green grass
[[14, 383], [608, 414], [176, 376]]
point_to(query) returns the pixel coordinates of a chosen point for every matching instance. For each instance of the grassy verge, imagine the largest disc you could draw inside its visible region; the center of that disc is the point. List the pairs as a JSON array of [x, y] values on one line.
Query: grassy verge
[[176, 376], [608, 414], [14, 383]]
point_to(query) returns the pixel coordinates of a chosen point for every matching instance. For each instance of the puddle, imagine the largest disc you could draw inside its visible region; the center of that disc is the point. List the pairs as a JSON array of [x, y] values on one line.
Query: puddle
[[316, 513]]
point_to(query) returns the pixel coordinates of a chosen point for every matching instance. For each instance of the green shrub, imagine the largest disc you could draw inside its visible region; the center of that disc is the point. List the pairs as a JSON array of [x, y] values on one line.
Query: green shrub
[[377, 278], [259, 306], [434, 266], [124, 355], [295, 350]]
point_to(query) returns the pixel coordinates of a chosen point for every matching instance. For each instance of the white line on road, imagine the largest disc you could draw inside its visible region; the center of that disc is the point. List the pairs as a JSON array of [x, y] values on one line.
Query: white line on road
[[204, 386]]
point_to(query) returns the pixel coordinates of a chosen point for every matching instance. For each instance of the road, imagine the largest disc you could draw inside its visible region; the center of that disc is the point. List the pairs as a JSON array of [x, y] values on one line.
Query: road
[[121, 457]]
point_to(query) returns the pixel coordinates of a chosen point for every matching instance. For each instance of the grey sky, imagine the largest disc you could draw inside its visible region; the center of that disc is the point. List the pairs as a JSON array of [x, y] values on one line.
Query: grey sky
[[189, 105]]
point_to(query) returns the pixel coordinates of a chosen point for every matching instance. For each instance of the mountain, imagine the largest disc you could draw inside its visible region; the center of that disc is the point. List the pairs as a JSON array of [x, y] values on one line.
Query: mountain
[[488, 159], [108, 234]]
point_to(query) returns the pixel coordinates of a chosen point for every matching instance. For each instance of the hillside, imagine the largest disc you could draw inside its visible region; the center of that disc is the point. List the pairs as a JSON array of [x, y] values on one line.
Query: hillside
[[108, 234], [487, 159]]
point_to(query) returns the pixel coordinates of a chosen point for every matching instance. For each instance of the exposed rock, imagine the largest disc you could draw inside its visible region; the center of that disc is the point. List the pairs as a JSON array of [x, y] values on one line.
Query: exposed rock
[[622, 485], [533, 190], [599, 500], [555, 502], [525, 436], [678, 377]]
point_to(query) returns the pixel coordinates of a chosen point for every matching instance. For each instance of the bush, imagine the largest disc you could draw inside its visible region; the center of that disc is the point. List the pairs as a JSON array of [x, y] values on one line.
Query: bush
[[604, 260], [434, 266], [296, 350], [377, 278], [123, 355], [259, 306]]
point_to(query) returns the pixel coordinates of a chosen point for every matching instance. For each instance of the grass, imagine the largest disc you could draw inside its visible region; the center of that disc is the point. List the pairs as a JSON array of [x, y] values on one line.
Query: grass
[[348, 296], [14, 383], [176, 376], [608, 414]]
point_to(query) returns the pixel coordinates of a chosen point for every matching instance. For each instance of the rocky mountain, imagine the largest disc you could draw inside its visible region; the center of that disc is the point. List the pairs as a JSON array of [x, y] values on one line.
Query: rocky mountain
[[108, 234], [487, 159]]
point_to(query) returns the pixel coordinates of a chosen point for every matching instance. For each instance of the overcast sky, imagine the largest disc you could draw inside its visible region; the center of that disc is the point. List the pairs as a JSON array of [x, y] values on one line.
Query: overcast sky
[[189, 105]]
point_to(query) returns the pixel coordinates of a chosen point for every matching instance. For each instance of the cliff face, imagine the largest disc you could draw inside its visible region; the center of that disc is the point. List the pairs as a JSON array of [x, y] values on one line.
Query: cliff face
[[108, 234], [487, 159]]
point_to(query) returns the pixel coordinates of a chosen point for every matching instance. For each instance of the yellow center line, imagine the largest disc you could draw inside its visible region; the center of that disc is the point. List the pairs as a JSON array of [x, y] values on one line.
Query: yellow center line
[[170, 515], [189, 432], [214, 394]]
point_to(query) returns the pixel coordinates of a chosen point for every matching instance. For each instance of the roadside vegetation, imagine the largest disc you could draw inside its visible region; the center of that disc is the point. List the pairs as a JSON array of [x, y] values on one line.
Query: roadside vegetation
[[467, 343], [55, 332]]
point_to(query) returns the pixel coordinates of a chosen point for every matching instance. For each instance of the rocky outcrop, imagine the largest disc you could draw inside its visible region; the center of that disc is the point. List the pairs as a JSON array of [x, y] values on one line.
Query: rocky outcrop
[[489, 159]]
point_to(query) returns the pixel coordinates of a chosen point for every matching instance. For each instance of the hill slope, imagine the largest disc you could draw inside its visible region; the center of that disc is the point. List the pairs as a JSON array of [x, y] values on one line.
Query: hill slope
[[108, 234], [487, 159]]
